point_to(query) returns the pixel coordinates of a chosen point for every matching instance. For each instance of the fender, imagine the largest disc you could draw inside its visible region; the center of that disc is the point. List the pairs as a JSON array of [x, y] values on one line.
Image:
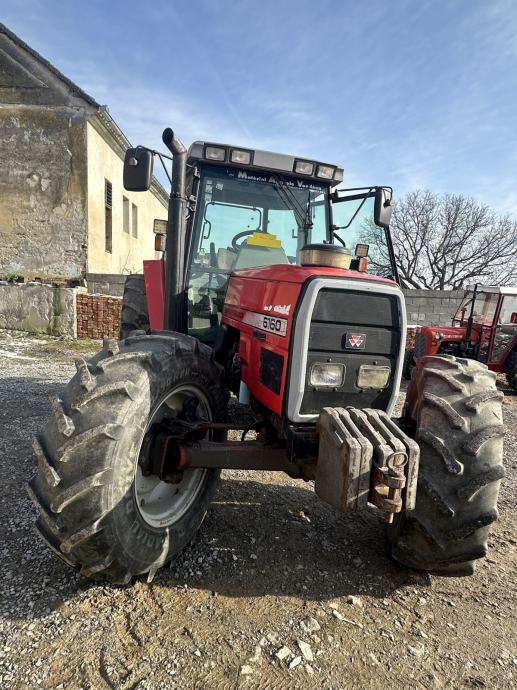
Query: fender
[[154, 276]]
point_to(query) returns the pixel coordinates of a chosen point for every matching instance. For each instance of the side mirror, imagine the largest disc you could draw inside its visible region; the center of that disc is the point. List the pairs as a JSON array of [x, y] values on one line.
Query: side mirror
[[382, 209], [138, 169]]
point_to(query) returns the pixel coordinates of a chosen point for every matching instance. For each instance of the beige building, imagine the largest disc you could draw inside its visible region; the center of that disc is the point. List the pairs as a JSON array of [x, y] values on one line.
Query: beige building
[[120, 223], [63, 210]]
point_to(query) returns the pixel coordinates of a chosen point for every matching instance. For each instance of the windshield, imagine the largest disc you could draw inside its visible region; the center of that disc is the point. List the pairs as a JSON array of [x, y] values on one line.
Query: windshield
[[234, 205], [485, 305], [246, 219]]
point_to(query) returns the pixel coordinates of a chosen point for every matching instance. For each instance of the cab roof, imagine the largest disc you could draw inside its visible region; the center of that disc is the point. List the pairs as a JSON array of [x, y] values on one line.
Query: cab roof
[[265, 161], [498, 289]]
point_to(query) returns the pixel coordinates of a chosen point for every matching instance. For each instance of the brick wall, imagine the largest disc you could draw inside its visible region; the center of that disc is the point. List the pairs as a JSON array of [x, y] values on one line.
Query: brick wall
[[98, 316], [410, 338]]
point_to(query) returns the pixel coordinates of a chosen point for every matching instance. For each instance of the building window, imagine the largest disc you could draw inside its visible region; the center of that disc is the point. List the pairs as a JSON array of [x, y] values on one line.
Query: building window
[[108, 221], [125, 214], [134, 211]]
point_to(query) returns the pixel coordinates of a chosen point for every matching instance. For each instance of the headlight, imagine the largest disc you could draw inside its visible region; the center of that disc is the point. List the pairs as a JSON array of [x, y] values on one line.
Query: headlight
[[325, 171], [304, 167], [371, 376], [238, 156], [214, 153], [327, 375]]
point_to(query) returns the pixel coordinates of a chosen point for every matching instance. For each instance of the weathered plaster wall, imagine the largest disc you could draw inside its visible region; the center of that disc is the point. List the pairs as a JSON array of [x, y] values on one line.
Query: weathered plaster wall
[[39, 309], [128, 252], [42, 166], [43, 228]]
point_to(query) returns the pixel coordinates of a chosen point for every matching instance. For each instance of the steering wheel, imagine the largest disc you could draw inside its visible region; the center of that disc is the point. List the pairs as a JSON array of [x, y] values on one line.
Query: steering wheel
[[240, 235]]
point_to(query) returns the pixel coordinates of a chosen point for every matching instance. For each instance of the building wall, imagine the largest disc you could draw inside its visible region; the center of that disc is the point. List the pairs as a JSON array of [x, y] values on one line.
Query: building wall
[[42, 167], [42, 191], [128, 251]]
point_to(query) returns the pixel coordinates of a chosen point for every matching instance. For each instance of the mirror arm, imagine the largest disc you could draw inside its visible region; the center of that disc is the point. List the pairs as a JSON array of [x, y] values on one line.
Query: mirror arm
[[161, 156], [391, 253]]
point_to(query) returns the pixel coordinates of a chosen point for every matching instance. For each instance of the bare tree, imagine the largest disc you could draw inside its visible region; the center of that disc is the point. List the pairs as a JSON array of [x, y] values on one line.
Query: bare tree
[[446, 242]]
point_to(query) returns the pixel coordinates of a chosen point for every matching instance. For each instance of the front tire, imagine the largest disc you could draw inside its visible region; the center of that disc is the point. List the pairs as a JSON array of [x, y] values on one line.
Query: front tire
[[455, 412], [88, 489]]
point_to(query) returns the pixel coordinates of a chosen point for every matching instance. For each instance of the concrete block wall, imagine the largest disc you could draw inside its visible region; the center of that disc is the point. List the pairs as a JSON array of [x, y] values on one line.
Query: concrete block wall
[[106, 283], [431, 307]]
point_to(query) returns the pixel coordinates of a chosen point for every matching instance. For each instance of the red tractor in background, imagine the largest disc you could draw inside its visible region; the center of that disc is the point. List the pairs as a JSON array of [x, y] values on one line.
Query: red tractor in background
[[262, 317], [483, 328]]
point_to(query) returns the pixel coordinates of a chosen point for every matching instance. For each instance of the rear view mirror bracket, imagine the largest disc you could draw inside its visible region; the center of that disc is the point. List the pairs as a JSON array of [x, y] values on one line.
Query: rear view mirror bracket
[[138, 168]]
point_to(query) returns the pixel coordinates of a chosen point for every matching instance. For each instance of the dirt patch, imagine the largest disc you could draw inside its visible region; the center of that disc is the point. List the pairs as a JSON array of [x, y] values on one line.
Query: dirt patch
[[278, 591]]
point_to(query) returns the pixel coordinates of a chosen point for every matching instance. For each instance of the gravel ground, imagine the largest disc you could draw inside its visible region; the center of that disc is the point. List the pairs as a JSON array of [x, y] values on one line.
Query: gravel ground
[[278, 591]]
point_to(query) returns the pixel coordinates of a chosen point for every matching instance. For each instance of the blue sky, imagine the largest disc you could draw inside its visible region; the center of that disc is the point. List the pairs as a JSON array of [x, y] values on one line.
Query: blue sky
[[412, 93]]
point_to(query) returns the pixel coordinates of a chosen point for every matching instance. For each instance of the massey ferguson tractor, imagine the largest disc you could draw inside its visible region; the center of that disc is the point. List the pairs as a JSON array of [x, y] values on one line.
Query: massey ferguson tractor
[[260, 341], [484, 328]]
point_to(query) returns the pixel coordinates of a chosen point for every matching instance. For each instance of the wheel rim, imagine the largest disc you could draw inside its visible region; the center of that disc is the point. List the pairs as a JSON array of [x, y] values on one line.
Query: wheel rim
[[159, 503]]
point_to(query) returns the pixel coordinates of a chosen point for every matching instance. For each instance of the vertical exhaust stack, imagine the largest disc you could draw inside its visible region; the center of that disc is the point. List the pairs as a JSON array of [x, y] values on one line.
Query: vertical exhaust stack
[[175, 317]]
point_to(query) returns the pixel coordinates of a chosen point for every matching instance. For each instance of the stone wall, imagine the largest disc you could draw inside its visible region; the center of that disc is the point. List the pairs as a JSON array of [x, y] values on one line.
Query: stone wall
[[431, 307], [43, 178], [39, 309], [43, 231]]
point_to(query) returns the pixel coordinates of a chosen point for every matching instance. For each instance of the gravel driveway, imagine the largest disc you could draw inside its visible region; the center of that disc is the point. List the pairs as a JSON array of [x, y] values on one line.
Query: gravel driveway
[[278, 591]]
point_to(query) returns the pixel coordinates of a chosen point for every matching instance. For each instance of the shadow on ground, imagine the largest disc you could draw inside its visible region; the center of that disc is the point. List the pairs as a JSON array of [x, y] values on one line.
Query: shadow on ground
[[261, 539], [264, 535]]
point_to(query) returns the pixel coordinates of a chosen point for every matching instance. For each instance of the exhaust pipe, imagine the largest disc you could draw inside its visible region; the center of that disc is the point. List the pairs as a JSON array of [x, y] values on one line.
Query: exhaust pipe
[[175, 317]]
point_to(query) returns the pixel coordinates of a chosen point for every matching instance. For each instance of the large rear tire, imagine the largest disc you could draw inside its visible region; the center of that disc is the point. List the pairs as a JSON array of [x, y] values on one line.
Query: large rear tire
[[135, 314], [95, 509], [455, 412]]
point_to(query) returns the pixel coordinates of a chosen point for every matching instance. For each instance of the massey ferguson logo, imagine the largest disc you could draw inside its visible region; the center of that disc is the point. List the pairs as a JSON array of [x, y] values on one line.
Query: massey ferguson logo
[[355, 341]]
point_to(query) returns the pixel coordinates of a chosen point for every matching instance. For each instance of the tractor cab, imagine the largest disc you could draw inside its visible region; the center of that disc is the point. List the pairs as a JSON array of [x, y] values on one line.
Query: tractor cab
[[249, 208], [248, 215]]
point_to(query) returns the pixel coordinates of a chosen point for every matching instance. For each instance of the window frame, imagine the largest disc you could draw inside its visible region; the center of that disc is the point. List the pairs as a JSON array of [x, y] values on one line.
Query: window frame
[[108, 216]]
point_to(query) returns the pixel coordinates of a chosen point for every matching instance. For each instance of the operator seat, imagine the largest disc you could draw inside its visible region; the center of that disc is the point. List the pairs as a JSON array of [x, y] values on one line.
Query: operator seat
[[260, 249]]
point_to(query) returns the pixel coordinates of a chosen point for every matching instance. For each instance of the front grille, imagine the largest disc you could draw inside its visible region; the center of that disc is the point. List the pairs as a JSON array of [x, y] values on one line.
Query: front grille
[[373, 321], [419, 345]]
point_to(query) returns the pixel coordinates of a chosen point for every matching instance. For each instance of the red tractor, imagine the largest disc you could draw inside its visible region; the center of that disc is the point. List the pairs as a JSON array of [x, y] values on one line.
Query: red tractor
[[484, 328], [261, 318]]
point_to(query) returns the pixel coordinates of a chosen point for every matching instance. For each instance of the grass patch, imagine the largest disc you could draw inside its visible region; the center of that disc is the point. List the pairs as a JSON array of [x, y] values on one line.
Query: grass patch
[[65, 347]]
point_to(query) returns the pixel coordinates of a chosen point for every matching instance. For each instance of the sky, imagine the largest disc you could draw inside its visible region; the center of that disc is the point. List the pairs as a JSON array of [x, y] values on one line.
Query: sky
[[408, 93]]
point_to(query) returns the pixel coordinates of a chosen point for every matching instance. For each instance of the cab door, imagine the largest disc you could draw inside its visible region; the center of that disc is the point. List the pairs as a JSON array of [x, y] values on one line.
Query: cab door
[[504, 337]]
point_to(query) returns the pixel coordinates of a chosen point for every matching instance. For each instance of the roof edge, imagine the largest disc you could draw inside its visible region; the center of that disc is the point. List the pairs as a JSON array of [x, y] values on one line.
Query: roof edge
[[76, 90]]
